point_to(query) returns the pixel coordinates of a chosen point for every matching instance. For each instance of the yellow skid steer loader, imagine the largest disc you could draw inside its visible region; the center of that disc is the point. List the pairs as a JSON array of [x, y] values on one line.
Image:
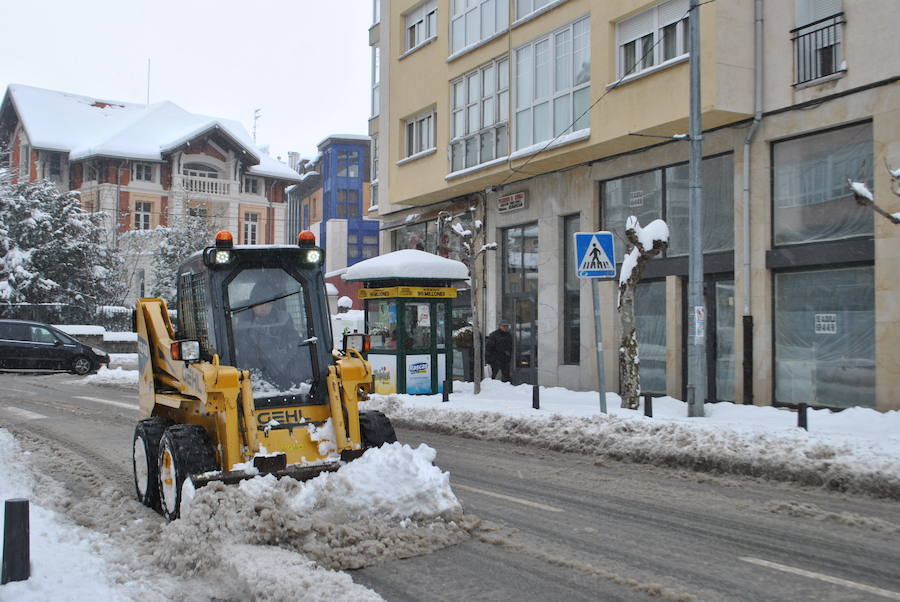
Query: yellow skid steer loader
[[247, 381]]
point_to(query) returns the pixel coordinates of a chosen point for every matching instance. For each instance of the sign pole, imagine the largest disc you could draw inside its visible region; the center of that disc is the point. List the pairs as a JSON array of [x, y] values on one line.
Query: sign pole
[[595, 257], [598, 334]]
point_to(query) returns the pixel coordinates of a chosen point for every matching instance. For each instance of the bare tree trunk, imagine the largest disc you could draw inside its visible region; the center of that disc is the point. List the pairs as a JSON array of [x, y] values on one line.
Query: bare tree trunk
[[629, 361]]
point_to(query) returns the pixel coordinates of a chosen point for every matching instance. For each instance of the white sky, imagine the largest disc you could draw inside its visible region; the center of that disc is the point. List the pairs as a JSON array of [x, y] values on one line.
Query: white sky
[[304, 63]]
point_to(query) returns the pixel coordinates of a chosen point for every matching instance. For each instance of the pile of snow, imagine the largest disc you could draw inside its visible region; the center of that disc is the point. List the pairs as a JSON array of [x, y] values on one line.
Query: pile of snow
[[115, 376], [856, 450], [345, 302], [390, 503], [66, 560]]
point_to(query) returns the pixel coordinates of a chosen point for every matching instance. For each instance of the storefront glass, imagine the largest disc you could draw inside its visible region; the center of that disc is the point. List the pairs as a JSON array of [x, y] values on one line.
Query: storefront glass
[[825, 337], [650, 327]]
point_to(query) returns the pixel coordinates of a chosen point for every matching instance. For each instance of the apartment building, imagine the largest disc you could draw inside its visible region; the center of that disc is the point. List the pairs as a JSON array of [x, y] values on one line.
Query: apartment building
[[333, 201], [144, 165], [565, 115]]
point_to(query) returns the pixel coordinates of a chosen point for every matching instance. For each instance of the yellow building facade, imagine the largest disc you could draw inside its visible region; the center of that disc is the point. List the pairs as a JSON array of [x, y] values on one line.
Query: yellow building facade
[[555, 117]]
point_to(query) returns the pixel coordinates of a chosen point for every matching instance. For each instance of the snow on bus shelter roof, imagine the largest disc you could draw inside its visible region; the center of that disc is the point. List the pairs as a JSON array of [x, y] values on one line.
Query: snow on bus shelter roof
[[407, 264]]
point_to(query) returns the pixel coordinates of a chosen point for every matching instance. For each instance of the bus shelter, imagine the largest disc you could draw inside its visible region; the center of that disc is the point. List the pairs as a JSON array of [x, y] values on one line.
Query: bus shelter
[[407, 300]]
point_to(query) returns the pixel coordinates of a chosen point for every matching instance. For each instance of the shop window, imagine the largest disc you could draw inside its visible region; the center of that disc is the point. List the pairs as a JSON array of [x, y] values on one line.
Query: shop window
[[571, 316], [812, 201], [718, 206], [650, 327], [381, 324], [825, 337], [665, 194], [520, 259], [639, 195], [413, 236]]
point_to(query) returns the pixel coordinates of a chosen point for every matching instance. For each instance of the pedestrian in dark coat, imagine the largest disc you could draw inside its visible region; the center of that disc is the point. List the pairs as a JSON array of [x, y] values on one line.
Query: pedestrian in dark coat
[[498, 352]]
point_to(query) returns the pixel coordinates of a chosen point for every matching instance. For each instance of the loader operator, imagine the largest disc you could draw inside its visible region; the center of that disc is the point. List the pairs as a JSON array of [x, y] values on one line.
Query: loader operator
[[268, 344]]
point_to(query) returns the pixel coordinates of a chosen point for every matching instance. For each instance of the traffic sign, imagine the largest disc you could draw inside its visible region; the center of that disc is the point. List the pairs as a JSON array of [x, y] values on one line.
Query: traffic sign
[[595, 255]]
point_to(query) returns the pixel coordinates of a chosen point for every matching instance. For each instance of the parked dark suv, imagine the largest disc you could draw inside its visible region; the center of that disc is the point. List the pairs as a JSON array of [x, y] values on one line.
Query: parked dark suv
[[37, 346]]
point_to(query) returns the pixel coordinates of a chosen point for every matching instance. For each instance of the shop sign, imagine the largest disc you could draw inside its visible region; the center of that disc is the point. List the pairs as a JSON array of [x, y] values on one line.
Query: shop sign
[[826, 323], [512, 202], [417, 292]]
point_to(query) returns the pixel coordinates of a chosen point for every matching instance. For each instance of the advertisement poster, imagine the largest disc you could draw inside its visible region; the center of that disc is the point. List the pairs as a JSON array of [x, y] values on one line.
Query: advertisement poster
[[384, 368], [418, 374]]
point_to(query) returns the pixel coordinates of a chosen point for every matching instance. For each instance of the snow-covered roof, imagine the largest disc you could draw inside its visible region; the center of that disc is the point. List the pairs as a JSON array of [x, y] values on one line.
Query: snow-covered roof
[[407, 264], [344, 137], [84, 127]]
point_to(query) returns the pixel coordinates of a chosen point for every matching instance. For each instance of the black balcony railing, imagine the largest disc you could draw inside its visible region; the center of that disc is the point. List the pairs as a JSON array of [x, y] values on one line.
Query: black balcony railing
[[818, 48]]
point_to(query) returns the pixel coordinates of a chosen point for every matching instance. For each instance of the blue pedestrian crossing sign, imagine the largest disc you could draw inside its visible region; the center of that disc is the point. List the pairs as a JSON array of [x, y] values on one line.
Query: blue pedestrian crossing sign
[[595, 255]]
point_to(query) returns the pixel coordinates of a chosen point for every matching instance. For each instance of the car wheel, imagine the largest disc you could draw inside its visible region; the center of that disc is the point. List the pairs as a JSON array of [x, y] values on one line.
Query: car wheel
[[185, 450], [147, 434], [81, 365]]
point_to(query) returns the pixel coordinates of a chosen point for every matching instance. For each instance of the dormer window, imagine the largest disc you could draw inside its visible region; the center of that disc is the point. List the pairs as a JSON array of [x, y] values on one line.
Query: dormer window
[[142, 171], [251, 185]]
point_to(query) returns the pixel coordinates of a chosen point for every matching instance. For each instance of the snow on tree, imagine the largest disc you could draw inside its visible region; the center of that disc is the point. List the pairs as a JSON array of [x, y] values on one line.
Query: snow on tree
[[51, 251], [865, 197], [186, 235], [646, 243]]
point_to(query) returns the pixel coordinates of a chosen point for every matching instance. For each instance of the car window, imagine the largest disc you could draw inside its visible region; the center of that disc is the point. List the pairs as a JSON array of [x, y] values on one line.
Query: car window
[[64, 337], [39, 334], [12, 331]]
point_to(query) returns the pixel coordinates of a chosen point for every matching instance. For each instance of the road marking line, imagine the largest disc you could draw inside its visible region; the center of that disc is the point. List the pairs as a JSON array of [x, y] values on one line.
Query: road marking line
[[827, 578], [509, 498], [26, 414], [118, 404]]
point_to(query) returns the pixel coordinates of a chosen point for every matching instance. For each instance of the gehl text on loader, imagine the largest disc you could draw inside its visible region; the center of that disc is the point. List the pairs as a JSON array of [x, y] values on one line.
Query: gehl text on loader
[[247, 381]]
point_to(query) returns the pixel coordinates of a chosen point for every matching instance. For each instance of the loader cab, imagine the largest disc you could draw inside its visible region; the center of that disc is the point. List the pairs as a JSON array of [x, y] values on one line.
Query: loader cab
[[264, 309]]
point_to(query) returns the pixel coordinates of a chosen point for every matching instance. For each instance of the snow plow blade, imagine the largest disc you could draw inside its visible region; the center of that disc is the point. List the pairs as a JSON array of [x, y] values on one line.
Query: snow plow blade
[[272, 466], [230, 477]]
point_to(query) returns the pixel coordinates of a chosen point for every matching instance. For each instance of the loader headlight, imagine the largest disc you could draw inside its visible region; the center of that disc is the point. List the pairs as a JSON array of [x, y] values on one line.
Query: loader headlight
[[313, 256], [221, 256]]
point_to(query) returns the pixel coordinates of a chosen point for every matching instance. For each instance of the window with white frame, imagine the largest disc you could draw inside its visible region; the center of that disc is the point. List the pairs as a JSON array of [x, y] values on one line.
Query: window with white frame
[[480, 115], [419, 133], [526, 7], [376, 80], [472, 21], [251, 185], [143, 172], [142, 211], [552, 85], [653, 37], [251, 228], [374, 158], [421, 25]]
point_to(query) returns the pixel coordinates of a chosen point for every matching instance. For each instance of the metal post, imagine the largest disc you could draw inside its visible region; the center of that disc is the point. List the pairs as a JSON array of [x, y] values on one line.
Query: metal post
[[535, 397], [801, 416], [598, 335], [16, 546], [445, 391], [697, 339], [648, 405]]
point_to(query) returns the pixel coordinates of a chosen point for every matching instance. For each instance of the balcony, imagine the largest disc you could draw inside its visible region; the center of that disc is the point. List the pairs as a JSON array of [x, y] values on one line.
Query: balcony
[[207, 186], [818, 49]]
